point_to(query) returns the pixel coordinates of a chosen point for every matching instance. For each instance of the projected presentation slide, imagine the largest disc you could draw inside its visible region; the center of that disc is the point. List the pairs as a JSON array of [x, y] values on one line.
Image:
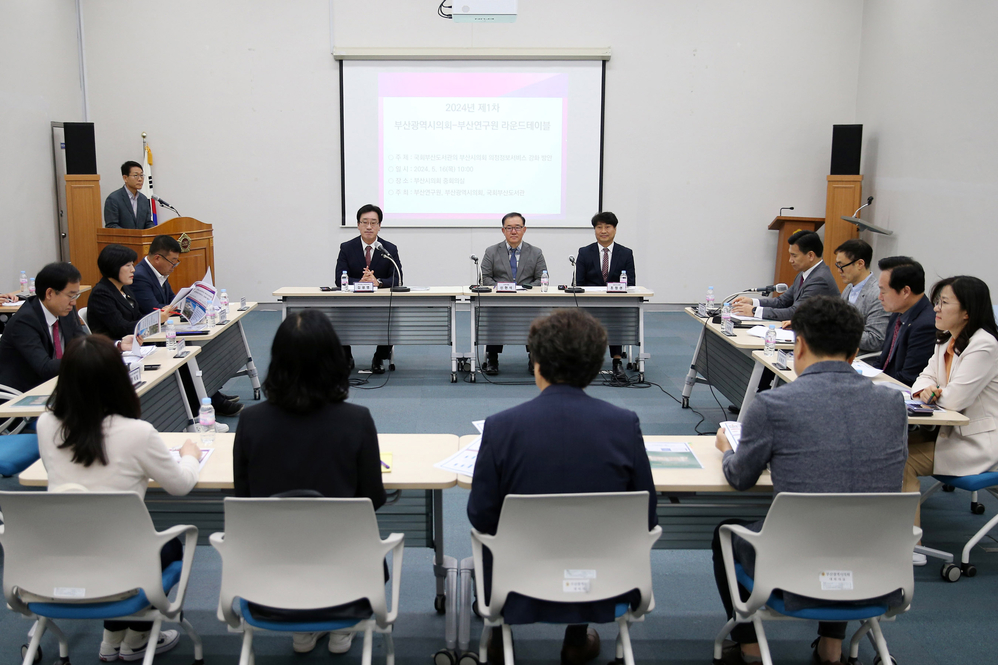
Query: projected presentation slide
[[462, 147]]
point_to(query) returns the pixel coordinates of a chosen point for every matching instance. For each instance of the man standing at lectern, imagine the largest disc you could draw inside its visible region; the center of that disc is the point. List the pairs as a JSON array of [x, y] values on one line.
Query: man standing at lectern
[[128, 208], [363, 260]]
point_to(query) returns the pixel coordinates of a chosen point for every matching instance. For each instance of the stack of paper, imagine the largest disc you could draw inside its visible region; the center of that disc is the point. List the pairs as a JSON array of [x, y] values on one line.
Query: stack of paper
[[782, 336]]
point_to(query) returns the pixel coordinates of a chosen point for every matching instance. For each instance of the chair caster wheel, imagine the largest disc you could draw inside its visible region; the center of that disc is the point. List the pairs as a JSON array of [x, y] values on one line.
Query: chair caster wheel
[[968, 569], [444, 657], [950, 572], [453, 377], [686, 403], [876, 661], [440, 603], [977, 508], [630, 366], [472, 377], [391, 367], [948, 488], [469, 658], [256, 394], [38, 653]]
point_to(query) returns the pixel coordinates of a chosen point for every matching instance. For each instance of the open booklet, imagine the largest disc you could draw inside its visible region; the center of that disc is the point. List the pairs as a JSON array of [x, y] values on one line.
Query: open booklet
[[193, 301]]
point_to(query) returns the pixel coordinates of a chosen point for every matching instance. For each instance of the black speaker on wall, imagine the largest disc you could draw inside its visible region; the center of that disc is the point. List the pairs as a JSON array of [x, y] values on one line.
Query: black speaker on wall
[[81, 149], [847, 141]]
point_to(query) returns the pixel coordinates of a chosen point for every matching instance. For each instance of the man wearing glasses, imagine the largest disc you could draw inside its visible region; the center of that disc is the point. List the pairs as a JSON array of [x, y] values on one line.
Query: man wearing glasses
[[362, 259], [511, 261], [853, 258], [36, 337], [128, 208]]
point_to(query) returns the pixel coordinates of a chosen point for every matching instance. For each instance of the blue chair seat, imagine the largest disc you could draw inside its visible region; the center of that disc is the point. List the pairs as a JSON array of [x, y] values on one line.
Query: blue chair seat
[[17, 453], [971, 483], [107, 610], [293, 626], [833, 612]]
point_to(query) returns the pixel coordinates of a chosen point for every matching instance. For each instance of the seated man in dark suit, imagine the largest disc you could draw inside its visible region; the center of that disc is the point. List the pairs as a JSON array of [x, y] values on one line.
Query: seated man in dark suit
[[815, 279], [128, 208], [602, 262], [362, 260], [562, 441], [152, 290], [911, 331], [32, 344], [511, 260], [831, 430]]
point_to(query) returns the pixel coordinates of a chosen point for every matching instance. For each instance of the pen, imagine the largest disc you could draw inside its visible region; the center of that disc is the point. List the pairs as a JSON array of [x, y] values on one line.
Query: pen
[[384, 464]]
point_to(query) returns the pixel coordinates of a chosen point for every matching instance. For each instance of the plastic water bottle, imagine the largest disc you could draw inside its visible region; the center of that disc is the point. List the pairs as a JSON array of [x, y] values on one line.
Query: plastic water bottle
[[223, 309], [23, 279], [623, 278], [710, 298], [211, 316], [171, 336], [344, 281], [545, 281], [224, 299], [770, 340], [206, 422], [31, 286], [727, 325]]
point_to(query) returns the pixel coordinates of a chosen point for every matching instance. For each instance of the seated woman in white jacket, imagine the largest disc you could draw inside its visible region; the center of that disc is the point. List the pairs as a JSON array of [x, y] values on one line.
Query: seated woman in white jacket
[[962, 375], [93, 438]]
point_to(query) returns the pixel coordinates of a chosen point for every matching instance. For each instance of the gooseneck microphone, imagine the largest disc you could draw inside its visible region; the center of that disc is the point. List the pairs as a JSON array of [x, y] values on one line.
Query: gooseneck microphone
[[779, 288], [573, 288], [785, 208], [398, 288], [869, 200], [165, 204], [479, 288]]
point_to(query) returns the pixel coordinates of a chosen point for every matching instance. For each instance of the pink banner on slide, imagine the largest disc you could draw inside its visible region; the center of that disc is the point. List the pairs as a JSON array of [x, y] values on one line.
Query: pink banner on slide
[[471, 84]]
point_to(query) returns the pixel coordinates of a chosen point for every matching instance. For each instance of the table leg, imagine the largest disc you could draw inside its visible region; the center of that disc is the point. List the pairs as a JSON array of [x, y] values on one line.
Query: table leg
[[691, 376], [250, 366], [751, 389], [196, 378], [439, 568], [473, 351], [453, 340], [641, 343], [183, 396]]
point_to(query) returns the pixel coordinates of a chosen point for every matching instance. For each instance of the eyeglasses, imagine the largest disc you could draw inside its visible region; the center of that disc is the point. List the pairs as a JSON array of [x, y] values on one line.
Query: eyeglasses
[[844, 266], [512, 229], [172, 263], [369, 224], [135, 175], [71, 296]]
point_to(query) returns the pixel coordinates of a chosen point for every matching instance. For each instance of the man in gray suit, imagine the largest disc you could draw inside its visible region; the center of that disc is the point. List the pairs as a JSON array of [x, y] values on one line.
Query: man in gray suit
[[128, 208], [831, 430], [815, 279], [511, 261], [853, 258]]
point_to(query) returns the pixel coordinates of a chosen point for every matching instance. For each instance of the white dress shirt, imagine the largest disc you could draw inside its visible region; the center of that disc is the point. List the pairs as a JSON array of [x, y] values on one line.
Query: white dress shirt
[[134, 198], [50, 320], [162, 278]]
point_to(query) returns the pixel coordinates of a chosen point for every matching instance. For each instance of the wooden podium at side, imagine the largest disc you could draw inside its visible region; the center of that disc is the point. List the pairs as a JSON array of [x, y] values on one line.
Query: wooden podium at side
[[787, 226], [197, 249], [844, 196]]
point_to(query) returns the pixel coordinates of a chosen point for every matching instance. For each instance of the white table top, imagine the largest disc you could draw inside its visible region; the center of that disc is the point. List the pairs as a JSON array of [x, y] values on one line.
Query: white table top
[[741, 340], [234, 316], [553, 292], [316, 292], [151, 378], [413, 457], [11, 309], [708, 479]]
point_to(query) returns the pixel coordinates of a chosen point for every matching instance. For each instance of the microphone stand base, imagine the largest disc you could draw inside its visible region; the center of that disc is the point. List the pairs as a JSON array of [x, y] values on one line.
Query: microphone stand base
[[481, 289], [400, 289], [574, 289]]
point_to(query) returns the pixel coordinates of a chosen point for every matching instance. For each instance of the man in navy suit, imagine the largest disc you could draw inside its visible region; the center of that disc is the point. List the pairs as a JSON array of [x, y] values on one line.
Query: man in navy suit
[[911, 331], [602, 262], [562, 441], [128, 208], [362, 260]]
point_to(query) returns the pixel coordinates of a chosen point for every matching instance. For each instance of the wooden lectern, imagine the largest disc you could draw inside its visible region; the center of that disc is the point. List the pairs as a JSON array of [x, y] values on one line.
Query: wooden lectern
[[845, 193], [787, 226], [195, 258]]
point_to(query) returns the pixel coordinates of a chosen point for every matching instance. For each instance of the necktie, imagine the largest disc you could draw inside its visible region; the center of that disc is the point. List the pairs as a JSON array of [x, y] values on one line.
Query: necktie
[[367, 256], [512, 263], [56, 340], [894, 341], [606, 263]]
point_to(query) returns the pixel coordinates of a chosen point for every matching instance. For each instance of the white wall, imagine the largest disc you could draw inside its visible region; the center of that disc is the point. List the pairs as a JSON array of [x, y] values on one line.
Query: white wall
[[717, 114], [39, 83], [928, 101]]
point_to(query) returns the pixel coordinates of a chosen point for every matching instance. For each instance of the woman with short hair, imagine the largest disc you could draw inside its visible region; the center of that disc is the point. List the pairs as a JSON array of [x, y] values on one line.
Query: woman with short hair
[[112, 309]]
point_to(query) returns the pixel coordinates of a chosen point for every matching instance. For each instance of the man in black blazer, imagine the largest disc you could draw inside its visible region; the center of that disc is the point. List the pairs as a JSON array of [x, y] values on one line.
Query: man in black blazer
[[911, 330], [150, 285], [33, 343], [128, 208], [562, 441], [815, 279], [362, 260], [602, 262]]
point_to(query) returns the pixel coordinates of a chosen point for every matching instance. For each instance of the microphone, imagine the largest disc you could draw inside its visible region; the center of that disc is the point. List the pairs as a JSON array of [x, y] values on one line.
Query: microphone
[[378, 247], [573, 288], [479, 288], [869, 200], [785, 208], [779, 288], [165, 204]]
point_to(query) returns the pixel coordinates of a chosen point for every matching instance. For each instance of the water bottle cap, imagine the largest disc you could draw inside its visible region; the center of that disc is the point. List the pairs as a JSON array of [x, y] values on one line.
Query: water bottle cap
[[206, 401], [772, 326], [223, 290]]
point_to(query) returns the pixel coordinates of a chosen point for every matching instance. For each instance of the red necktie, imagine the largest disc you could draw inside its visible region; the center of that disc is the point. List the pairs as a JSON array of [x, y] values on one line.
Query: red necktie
[[367, 255], [894, 341], [606, 263], [56, 340]]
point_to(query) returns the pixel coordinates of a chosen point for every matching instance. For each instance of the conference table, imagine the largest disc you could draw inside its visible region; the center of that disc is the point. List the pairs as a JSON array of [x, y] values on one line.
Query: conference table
[[161, 393], [724, 362], [428, 315], [787, 374], [8, 310], [225, 352]]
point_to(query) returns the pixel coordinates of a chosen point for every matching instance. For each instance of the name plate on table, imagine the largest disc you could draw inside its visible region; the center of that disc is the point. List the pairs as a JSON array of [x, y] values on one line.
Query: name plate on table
[[135, 372], [505, 287], [363, 287], [782, 357], [616, 287]]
